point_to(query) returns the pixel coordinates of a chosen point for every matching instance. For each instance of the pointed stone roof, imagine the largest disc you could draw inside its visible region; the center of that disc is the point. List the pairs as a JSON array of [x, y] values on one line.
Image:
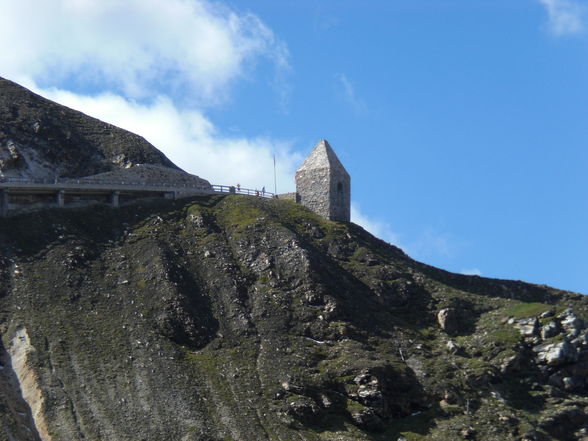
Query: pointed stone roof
[[322, 156]]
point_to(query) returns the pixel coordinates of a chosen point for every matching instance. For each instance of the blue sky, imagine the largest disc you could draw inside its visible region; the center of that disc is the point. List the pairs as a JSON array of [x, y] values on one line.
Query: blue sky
[[463, 124]]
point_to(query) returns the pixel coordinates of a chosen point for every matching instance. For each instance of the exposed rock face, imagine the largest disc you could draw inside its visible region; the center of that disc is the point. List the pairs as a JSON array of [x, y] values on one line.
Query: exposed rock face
[[562, 352], [11, 158], [21, 356], [556, 354], [529, 327], [152, 175], [252, 319], [42, 139]]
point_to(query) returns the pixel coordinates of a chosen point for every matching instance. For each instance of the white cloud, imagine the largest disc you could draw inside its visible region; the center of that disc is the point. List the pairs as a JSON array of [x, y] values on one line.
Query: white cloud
[[565, 16], [190, 140], [432, 244], [189, 48], [426, 245], [471, 272], [133, 63], [324, 18], [377, 227], [349, 95]]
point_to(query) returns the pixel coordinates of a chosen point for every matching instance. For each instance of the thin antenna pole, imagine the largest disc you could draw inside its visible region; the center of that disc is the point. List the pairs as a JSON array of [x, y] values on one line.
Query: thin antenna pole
[[275, 178]]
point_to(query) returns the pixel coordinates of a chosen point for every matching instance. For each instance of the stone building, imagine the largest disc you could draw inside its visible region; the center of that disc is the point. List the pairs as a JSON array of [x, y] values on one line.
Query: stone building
[[323, 184]]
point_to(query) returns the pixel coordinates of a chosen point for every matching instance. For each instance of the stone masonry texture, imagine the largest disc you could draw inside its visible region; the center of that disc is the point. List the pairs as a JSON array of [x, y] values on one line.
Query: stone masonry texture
[[324, 185]]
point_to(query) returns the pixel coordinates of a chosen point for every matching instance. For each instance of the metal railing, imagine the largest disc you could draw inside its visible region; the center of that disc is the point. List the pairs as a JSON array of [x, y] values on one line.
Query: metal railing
[[239, 190], [231, 189]]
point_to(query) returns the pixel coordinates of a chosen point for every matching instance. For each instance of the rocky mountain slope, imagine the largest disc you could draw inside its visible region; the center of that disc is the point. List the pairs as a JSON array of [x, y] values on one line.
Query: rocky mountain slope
[[42, 139], [248, 319], [235, 318]]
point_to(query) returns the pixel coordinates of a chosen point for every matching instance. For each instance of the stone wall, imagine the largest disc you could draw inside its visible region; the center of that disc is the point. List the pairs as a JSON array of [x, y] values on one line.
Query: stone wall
[[313, 187], [325, 192], [340, 197], [289, 196], [324, 185]]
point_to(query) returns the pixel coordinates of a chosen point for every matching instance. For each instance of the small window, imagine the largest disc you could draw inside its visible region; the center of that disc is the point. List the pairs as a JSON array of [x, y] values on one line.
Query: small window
[[340, 187]]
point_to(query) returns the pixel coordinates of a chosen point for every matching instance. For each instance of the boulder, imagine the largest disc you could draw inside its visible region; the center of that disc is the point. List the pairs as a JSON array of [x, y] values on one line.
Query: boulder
[[369, 391], [449, 320], [556, 354], [572, 324], [454, 348], [365, 418], [528, 327], [573, 383], [551, 329], [304, 409], [513, 364]]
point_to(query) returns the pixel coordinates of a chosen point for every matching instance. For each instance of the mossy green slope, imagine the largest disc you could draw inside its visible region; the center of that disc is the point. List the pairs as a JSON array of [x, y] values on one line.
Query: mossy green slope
[[241, 318]]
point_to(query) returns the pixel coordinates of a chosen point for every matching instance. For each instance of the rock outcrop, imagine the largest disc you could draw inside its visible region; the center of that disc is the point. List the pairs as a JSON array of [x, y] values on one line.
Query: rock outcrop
[[150, 174], [43, 139], [561, 351]]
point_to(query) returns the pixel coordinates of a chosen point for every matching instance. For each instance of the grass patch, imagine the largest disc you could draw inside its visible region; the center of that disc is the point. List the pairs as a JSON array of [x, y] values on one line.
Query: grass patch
[[506, 336], [353, 406], [238, 213], [194, 209], [524, 310]]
